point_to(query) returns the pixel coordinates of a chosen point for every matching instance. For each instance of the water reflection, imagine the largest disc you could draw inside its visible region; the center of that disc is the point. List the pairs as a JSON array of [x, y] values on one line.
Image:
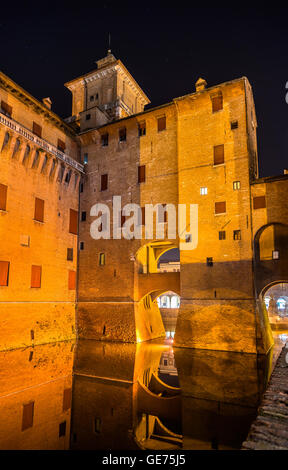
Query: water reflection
[[127, 396]]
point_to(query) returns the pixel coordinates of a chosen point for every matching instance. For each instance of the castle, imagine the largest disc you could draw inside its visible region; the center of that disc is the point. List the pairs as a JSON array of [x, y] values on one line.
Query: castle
[[57, 282]]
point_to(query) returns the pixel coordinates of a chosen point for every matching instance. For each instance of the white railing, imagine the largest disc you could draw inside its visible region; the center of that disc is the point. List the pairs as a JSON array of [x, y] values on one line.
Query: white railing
[[21, 130]]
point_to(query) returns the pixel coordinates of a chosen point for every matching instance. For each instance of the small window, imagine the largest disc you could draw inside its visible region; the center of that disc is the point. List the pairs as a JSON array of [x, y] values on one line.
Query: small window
[[6, 140], [81, 187], [234, 125], [71, 280], [61, 145], [220, 207], [39, 210], [104, 182], [37, 129], [85, 159], [188, 238], [122, 134], [36, 272], [222, 235], [236, 185], [92, 98], [3, 197], [275, 254], [67, 399], [105, 140], [6, 109], [83, 216], [141, 174], [217, 103], [81, 245], [88, 117], [73, 222], [141, 128], [259, 202], [26, 154], [36, 159], [237, 235], [4, 273], [203, 191], [218, 154], [102, 259], [69, 254], [16, 148], [62, 429], [97, 96], [27, 415], [161, 123], [97, 425], [68, 176], [44, 165], [209, 261]]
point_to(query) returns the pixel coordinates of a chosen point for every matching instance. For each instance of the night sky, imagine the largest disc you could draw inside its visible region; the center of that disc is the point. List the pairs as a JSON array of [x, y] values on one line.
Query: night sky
[[166, 49]]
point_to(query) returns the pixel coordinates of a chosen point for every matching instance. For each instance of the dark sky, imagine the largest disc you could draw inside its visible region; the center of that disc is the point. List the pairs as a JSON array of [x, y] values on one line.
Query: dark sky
[[165, 48]]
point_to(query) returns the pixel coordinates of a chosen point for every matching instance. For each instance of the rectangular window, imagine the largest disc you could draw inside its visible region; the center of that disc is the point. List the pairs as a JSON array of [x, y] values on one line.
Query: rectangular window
[[4, 273], [69, 254], [259, 202], [62, 429], [236, 185], [67, 399], [209, 261], [104, 182], [83, 216], [85, 159], [141, 174], [236, 234], [88, 117], [81, 187], [27, 415], [36, 272], [122, 134], [39, 210], [234, 125], [3, 197], [61, 145], [104, 140], [275, 254], [6, 109], [218, 154], [92, 98], [220, 207], [141, 128], [81, 245], [37, 129], [73, 222], [217, 103], [102, 259], [222, 235], [203, 191], [71, 280], [161, 123]]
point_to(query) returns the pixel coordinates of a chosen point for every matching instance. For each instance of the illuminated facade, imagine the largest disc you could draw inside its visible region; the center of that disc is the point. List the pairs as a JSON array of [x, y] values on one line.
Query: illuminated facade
[[198, 149]]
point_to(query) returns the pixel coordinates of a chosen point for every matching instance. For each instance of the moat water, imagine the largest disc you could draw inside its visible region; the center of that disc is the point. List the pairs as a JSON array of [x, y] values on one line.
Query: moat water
[[96, 395]]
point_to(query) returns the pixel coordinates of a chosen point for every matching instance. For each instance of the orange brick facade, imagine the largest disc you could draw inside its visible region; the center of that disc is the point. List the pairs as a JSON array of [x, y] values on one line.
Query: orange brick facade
[[199, 149]]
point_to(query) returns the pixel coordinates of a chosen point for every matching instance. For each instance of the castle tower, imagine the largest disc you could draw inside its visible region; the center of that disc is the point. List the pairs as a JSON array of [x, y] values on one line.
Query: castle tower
[[105, 94]]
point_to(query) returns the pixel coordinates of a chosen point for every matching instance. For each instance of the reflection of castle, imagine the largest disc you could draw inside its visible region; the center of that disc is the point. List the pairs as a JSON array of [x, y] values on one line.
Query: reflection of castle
[[167, 363]]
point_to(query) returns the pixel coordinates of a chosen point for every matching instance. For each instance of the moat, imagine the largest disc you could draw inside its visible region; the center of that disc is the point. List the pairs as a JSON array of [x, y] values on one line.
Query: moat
[[100, 395]]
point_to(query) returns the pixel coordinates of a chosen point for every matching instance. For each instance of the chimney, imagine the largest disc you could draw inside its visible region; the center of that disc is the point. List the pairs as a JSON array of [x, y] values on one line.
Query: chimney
[[47, 102], [200, 84]]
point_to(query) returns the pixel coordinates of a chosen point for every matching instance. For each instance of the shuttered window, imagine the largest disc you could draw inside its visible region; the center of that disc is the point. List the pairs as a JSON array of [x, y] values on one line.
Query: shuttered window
[[4, 273], [67, 399], [3, 197], [161, 123], [259, 202], [36, 276], [218, 154], [61, 145], [141, 174], [73, 222], [220, 207], [217, 103], [71, 280], [6, 109], [37, 129], [27, 416], [39, 210], [104, 182]]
